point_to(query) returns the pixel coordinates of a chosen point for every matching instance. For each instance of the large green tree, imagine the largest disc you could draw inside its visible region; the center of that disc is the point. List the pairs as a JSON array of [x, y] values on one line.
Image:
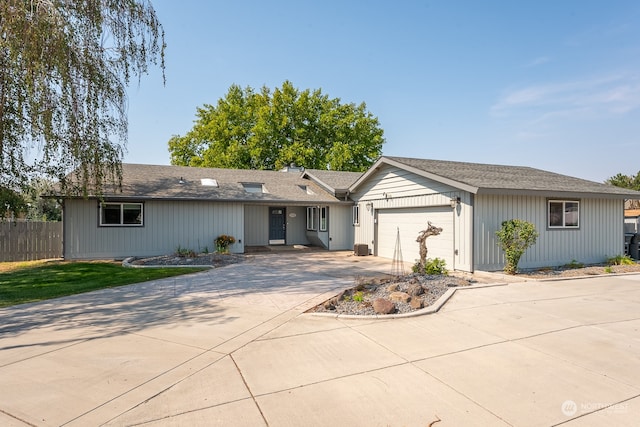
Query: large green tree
[[64, 69], [266, 129], [627, 181]]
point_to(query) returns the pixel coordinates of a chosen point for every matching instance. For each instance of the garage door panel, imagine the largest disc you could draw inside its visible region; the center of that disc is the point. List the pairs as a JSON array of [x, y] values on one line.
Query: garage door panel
[[409, 223]]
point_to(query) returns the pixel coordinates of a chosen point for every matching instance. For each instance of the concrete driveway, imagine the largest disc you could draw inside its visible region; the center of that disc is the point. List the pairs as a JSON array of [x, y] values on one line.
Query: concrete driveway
[[231, 347]]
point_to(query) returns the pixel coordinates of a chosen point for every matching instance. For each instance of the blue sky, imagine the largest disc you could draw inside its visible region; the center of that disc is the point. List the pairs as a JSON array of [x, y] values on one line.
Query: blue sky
[[553, 85]]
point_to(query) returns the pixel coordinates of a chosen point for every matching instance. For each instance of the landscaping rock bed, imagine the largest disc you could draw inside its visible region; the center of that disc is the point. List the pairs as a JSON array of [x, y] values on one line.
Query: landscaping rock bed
[[214, 259], [589, 270], [390, 296]]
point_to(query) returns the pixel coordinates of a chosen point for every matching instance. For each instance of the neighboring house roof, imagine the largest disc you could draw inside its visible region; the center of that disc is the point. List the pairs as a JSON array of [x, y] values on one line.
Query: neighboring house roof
[[497, 179], [186, 183], [333, 181]]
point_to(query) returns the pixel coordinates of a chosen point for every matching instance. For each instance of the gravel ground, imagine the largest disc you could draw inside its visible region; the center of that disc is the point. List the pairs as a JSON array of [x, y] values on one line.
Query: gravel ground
[[214, 259], [590, 270], [433, 287]]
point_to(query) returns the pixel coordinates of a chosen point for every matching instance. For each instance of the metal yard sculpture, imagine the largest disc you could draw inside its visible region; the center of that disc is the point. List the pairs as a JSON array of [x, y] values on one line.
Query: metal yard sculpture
[[431, 230]]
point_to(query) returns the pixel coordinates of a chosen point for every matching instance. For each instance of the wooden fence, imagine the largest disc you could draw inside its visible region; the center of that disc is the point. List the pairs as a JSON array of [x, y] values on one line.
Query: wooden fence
[[27, 241]]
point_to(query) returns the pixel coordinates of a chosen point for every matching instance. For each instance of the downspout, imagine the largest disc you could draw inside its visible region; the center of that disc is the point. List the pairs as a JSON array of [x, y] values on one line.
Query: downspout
[[453, 223], [64, 229], [471, 221]]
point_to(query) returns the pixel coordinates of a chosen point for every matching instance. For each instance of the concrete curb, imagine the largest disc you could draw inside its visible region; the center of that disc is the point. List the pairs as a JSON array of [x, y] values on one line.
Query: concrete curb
[[433, 308], [523, 279], [127, 263], [587, 276]]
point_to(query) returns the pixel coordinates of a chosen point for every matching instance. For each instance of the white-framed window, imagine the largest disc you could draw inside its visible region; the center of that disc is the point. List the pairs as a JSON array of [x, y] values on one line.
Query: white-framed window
[[355, 213], [323, 218], [563, 214], [121, 214], [311, 218]]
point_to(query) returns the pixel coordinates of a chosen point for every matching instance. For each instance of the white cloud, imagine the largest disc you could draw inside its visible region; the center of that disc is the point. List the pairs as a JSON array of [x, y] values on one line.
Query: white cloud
[[537, 61], [613, 94]]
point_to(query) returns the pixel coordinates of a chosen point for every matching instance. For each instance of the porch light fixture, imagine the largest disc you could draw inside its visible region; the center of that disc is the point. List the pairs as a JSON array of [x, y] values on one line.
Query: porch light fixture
[[369, 206], [455, 201]]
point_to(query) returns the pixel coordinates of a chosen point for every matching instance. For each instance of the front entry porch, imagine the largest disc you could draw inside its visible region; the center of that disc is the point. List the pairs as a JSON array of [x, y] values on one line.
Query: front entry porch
[[282, 248]]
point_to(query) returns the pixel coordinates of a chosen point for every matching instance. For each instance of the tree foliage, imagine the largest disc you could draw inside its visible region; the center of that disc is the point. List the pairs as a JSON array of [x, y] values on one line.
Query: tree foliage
[[627, 181], [64, 69], [271, 129], [41, 206], [515, 237], [12, 204]]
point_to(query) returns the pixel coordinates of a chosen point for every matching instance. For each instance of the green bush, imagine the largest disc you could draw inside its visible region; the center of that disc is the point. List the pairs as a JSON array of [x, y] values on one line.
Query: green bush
[[185, 252], [620, 260], [435, 266], [574, 264], [515, 237]]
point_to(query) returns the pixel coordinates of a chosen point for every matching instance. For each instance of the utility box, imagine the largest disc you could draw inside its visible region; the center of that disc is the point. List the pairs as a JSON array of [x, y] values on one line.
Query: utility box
[[361, 249]]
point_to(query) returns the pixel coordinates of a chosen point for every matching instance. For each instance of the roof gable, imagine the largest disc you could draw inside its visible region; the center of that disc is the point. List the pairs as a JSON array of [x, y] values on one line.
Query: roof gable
[[480, 178], [332, 181]]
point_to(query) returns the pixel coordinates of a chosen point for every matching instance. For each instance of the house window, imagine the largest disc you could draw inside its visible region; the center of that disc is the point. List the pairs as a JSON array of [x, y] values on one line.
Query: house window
[[323, 218], [563, 214], [121, 214], [356, 215], [311, 218]]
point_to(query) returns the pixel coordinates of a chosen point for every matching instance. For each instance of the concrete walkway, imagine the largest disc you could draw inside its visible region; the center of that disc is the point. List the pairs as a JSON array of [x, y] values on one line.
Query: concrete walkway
[[231, 347]]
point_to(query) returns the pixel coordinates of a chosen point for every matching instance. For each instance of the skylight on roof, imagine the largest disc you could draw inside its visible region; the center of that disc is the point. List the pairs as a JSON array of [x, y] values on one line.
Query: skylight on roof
[[254, 187], [209, 182], [306, 189]]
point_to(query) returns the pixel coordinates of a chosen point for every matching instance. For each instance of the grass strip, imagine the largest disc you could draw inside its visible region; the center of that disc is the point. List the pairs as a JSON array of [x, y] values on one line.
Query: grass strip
[[42, 281]]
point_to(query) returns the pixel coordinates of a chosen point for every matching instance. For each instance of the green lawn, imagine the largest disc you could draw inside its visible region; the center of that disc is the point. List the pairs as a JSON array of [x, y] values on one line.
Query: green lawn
[[23, 283]]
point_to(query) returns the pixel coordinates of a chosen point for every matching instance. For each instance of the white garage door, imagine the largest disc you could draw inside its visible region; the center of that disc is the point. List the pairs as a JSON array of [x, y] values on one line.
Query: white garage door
[[410, 222]]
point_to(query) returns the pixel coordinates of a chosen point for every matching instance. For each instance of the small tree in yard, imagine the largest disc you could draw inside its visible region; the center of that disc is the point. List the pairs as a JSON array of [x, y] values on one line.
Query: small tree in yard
[[515, 237]]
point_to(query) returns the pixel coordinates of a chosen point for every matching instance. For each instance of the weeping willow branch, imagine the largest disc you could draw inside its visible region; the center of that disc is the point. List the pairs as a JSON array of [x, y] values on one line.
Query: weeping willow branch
[[64, 69]]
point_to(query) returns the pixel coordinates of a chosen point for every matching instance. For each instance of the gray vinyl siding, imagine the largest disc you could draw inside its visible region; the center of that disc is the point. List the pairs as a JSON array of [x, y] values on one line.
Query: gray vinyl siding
[[393, 183], [600, 234], [256, 225], [297, 225], [392, 188], [340, 228], [167, 225]]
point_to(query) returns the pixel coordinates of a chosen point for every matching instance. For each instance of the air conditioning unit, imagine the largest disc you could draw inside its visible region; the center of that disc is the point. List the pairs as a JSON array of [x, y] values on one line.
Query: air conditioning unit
[[361, 249]]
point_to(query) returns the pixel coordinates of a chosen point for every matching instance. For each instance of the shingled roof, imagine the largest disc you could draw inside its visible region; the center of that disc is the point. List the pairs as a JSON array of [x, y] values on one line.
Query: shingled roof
[[480, 178], [334, 181], [186, 183]]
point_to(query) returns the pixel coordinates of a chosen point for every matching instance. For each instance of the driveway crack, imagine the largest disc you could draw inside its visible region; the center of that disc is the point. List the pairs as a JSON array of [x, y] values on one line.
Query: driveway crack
[[249, 390]]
